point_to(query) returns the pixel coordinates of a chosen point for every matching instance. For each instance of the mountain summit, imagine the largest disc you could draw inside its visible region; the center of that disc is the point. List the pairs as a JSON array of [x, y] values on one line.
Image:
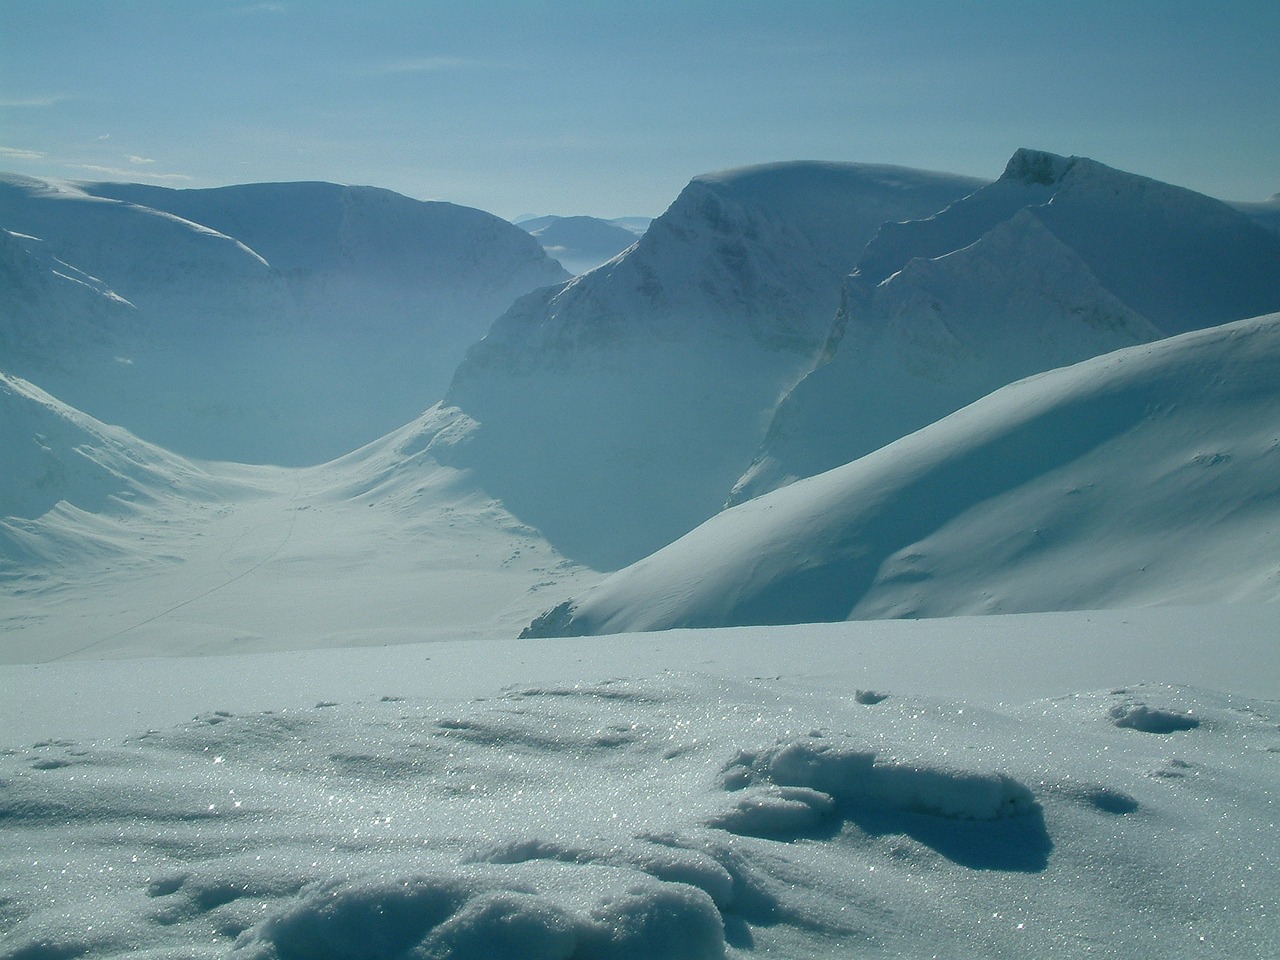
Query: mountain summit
[[1061, 259], [614, 412]]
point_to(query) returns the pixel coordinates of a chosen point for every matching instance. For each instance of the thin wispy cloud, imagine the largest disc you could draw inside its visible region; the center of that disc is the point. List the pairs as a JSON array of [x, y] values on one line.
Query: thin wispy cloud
[[130, 174], [24, 103], [140, 160], [14, 153]]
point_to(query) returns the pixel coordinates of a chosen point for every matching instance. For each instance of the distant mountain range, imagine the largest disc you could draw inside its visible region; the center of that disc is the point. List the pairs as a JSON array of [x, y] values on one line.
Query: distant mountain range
[[581, 244], [828, 321], [282, 323]]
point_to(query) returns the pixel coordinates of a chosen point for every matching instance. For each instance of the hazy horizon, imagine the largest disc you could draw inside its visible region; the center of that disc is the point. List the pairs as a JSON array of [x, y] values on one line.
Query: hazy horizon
[[608, 108]]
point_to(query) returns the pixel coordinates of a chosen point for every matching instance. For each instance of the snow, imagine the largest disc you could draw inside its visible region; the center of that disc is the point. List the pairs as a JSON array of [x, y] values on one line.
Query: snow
[[280, 712], [642, 389], [580, 244], [1266, 212], [270, 323], [1149, 475], [1059, 260], [325, 803]]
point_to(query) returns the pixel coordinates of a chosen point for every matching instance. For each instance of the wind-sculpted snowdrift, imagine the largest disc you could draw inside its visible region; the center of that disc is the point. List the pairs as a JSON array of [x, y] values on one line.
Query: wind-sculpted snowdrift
[[1150, 475], [658, 819]]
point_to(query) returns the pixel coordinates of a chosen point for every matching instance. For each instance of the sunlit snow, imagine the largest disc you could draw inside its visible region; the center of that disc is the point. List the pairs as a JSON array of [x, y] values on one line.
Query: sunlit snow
[[280, 712]]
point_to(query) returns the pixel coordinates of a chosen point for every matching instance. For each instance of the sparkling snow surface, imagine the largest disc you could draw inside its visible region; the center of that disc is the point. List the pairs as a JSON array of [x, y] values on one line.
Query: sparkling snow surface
[[791, 792]]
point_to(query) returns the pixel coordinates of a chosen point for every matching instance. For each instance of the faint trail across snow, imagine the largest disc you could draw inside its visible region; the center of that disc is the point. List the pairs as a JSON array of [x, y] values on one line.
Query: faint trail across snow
[[232, 578]]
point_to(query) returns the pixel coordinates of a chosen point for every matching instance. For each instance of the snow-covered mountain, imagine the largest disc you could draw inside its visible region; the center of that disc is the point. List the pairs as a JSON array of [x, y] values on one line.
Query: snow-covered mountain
[[580, 243], [1059, 260], [1149, 475], [1266, 212], [614, 412], [282, 323]]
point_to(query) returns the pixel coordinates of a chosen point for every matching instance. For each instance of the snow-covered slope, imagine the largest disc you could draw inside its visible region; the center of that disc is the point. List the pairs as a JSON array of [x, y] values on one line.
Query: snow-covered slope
[[110, 547], [1150, 475], [1058, 260], [580, 243], [281, 323], [614, 412], [54, 453]]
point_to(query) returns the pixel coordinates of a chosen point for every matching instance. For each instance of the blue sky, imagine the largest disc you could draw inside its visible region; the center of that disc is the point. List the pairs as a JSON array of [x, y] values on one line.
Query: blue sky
[[609, 108]]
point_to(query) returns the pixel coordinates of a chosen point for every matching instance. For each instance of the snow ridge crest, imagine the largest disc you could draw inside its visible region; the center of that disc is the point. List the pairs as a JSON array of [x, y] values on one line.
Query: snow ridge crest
[[1038, 167]]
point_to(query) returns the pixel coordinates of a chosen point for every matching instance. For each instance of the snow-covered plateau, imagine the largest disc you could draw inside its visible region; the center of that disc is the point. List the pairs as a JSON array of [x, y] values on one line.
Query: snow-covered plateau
[[982, 663]]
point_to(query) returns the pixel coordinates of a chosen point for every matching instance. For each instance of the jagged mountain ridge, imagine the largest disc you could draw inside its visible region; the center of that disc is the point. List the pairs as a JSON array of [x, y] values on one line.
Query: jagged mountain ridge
[[613, 412], [1149, 475], [1060, 259], [348, 325]]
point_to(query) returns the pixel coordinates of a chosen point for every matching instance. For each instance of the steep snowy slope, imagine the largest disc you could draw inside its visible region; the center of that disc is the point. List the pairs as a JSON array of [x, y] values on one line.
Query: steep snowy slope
[[335, 314], [48, 304], [1059, 260], [580, 243], [66, 478], [613, 413], [1150, 475]]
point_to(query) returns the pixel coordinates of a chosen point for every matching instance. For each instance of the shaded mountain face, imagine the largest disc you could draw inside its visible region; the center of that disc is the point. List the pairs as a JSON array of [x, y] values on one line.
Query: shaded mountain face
[[1059, 260], [1149, 475], [614, 412], [283, 323]]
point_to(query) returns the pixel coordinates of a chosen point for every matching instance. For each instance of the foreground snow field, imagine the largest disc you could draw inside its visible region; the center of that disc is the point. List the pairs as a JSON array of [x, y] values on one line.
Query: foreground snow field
[[1048, 785]]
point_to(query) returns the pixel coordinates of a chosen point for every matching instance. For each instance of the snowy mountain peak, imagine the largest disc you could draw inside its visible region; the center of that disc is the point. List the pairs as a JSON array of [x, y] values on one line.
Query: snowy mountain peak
[[1037, 166], [641, 389]]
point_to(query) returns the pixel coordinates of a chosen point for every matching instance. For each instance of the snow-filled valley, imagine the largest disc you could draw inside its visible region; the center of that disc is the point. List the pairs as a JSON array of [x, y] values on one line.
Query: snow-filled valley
[[897, 558]]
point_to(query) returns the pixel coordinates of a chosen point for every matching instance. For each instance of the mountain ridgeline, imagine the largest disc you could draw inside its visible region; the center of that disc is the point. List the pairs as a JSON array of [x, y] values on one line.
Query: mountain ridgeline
[[829, 323], [273, 323]]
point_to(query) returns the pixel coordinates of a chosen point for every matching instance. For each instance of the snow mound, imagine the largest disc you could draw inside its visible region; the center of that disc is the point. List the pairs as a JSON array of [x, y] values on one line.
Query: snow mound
[[1061, 259], [451, 917], [1149, 475], [853, 776]]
